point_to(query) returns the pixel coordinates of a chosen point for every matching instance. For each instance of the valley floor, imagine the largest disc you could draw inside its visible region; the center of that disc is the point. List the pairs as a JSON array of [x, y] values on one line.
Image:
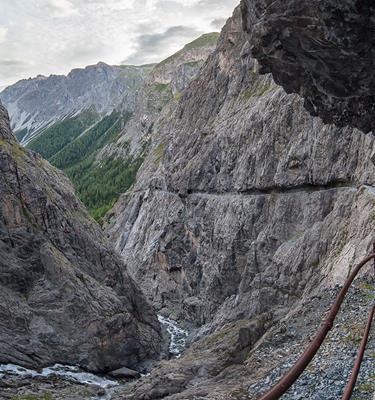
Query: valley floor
[[71, 383]]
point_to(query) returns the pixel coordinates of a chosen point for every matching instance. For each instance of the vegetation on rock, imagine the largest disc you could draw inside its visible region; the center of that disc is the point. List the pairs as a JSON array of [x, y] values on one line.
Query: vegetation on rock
[[60, 134]]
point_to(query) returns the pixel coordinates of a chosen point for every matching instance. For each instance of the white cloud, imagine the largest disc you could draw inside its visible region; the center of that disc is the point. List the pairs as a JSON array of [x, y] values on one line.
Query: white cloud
[[3, 33], [61, 8], [55, 36], [110, 5], [150, 46]]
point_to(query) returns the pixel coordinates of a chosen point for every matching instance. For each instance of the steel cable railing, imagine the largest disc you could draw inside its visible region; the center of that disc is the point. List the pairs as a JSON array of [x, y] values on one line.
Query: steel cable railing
[[353, 378], [295, 372]]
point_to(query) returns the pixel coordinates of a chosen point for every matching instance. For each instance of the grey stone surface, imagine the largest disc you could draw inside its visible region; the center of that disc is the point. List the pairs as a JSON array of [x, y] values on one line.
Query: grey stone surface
[[65, 296], [239, 178], [207, 371], [125, 373]]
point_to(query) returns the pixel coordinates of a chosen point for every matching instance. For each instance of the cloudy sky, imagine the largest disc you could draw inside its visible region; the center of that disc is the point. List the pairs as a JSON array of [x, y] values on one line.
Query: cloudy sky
[[53, 36]]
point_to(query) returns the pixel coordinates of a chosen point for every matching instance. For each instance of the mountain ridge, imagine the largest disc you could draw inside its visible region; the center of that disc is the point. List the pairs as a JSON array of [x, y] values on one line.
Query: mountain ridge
[[100, 87]]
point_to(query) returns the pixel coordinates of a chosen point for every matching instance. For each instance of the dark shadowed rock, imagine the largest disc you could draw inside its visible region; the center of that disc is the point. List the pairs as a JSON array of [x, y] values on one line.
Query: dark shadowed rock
[[125, 373], [65, 297], [322, 50]]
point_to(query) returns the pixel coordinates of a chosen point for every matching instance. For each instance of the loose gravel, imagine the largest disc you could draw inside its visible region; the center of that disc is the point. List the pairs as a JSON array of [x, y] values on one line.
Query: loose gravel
[[327, 375]]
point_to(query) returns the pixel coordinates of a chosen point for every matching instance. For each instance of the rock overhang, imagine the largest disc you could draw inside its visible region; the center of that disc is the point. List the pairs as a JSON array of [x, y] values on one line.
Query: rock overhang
[[322, 50]]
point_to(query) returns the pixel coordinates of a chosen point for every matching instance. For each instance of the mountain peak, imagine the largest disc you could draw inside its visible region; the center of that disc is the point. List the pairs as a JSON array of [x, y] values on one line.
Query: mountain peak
[[207, 39]]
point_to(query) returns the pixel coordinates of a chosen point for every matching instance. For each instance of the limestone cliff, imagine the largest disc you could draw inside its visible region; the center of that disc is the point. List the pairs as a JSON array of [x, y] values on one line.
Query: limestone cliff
[[240, 177]]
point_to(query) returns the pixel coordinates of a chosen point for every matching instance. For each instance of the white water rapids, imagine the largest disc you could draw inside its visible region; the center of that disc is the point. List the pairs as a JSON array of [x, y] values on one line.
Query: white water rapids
[[75, 374], [178, 336], [72, 374]]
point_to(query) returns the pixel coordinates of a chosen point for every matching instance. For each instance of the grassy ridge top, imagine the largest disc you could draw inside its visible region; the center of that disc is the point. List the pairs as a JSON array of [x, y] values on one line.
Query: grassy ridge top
[[208, 39]]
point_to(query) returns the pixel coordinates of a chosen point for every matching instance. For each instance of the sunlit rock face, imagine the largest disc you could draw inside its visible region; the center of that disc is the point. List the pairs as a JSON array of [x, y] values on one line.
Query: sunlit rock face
[[322, 50]]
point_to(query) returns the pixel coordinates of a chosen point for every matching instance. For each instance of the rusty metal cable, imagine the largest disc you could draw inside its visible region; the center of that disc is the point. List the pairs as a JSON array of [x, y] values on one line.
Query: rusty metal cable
[[353, 378], [294, 373]]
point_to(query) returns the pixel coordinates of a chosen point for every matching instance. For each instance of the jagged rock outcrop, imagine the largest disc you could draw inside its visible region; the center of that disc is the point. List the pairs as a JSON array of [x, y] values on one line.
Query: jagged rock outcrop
[[245, 207], [179, 69], [35, 104], [322, 50], [65, 297]]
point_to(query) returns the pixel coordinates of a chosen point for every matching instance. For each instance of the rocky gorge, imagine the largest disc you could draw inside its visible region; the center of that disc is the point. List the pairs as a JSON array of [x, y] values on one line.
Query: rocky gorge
[[223, 175], [245, 218], [96, 121]]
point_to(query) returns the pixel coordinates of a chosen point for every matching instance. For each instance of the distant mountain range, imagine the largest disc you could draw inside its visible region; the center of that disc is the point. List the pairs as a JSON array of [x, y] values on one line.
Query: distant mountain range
[[36, 104]]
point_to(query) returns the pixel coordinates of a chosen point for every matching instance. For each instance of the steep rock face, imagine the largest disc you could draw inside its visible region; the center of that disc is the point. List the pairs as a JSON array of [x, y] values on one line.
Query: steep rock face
[[35, 104], [175, 69], [65, 297], [238, 180], [322, 50]]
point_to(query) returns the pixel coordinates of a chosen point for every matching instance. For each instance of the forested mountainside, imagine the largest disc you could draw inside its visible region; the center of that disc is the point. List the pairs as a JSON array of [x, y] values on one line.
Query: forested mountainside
[[65, 295], [102, 145], [245, 208]]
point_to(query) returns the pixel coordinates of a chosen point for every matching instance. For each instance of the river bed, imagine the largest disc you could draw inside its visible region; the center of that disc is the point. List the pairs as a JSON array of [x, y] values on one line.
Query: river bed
[[178, 336], [78, 376]]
